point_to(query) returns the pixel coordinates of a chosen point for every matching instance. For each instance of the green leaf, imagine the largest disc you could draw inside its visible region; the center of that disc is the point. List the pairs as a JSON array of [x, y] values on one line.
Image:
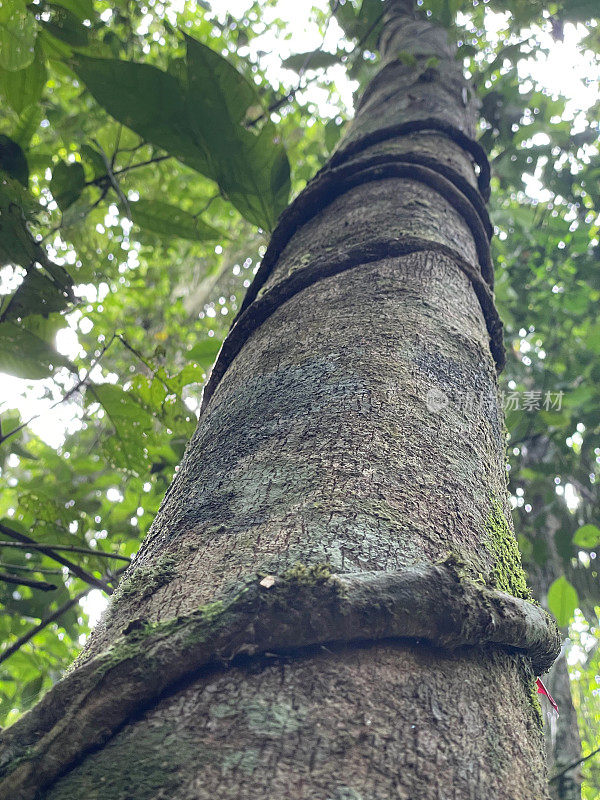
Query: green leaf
[[67, 184], [28, 124], [345, 15], [26, 355], [205, 352], [562, 600], [149, 101], [23, 88], [36, 295], [166, 220], [17, 246], [65, 26], [17, 35], [316, 59], [201, 126], [364, 24], [252, 170], [132, 425], [448, 13], [12, 160], [94, 159], [83, 9], [587, 536]]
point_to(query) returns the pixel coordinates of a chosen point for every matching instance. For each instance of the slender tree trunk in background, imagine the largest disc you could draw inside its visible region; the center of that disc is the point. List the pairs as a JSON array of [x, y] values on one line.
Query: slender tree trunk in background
[[563, 741], [351, 421]]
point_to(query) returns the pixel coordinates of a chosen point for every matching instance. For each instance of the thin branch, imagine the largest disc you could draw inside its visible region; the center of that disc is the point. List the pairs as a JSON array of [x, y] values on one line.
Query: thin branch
[[21, 568], [26, 637], [116, 150], [573, 764], [69, 548], [292, 93], [75, 569], [281, 101], [148, 366], [63, 399], [43, 586], [113, 181], [103, 178]]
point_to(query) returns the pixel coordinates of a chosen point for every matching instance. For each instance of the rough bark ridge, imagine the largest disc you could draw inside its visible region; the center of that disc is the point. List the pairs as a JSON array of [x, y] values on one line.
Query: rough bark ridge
[[330, 602]]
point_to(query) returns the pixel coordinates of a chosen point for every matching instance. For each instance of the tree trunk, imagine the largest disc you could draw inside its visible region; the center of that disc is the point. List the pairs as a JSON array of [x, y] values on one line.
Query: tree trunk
[[562, 738], [350, 427]]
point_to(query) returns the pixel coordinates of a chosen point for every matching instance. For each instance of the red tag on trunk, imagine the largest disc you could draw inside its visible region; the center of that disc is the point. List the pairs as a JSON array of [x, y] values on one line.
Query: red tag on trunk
[[541, 689]]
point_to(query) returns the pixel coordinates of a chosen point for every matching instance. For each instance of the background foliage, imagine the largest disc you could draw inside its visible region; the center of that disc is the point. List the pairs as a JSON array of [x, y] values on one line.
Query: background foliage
[[146, 150]]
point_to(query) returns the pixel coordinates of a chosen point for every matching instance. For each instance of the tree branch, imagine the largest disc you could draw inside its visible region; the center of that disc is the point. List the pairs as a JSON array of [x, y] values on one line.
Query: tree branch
[[43, 586], [74, 568], [26, 637], [69, 548], [21, 568], [63, 399], [103, 178], [573, 764]]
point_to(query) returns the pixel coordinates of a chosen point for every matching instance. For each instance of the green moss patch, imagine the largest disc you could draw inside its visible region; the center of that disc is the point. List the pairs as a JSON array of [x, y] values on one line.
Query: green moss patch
[[507, 573]]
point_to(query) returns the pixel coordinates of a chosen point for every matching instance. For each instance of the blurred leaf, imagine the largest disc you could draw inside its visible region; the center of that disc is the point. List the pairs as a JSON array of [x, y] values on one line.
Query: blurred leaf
[[23, 88], [205, 352], [65, 26], [17, 35], [26, 355], [131, 423], [562, 600], [67, 184], [363, 24], [36, 295], [12, 160], [166, 220], [83, 9], [94, 159], [316, 59], [587, 536]]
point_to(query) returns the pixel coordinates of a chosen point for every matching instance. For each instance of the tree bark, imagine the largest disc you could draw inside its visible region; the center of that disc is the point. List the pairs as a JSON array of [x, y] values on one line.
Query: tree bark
[[351, 425]]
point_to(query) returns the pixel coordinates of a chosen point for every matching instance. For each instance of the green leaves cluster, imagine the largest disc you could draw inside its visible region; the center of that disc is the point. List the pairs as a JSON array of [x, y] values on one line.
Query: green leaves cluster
[[198, 117], [202, 111]]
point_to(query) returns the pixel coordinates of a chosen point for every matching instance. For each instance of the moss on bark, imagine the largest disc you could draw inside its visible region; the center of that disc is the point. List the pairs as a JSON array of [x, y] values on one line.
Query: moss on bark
[[507, 573]]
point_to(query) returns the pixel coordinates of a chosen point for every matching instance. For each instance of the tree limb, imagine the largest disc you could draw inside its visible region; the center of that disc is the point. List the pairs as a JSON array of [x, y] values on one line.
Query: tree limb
[[573, 764], [75, 569], [66, 396], [43, 586], [69, 548], [41, 625]]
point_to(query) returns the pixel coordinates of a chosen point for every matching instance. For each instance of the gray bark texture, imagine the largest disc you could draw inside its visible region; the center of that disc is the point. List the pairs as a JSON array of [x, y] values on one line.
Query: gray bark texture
[[330, 603]]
